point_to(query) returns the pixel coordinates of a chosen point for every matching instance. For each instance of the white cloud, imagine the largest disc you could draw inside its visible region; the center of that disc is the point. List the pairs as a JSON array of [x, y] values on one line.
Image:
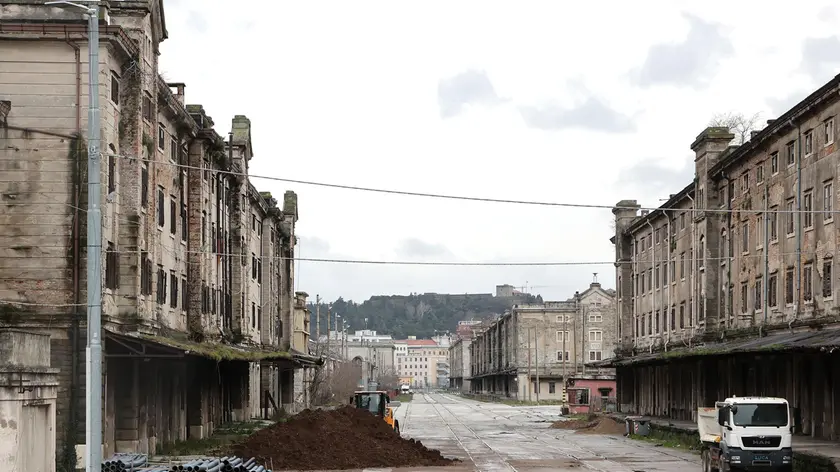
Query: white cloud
[[547, 104]]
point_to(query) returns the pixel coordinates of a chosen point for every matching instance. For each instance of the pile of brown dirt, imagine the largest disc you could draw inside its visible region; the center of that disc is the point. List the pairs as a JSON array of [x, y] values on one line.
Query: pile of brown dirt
[[592, 425], [587, 422], [605, 425], [346, 438]]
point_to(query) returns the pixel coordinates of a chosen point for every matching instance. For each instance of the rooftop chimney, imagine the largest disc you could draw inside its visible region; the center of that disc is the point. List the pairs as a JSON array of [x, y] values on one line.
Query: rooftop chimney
[[770, 122], [179, 91]]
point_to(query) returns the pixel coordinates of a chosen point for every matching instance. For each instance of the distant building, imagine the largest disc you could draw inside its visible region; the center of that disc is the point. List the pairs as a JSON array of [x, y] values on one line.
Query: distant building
[[423, 361], [362, 335], [468, 329], [553, 341], [459, 364]]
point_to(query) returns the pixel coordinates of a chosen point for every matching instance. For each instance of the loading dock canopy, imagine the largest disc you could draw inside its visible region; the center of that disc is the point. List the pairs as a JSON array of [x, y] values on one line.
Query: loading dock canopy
[[823, 340], [147, 346]]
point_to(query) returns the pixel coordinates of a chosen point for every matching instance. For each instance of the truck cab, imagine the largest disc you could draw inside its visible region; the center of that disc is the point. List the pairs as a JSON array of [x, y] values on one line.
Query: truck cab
[[747, 434]]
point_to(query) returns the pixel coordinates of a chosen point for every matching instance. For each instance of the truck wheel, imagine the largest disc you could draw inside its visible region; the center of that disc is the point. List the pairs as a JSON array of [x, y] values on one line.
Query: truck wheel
[[706, 460]]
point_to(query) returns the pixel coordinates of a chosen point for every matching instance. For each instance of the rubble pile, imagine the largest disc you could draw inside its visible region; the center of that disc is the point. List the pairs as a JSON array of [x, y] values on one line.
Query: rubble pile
[[346, 438]]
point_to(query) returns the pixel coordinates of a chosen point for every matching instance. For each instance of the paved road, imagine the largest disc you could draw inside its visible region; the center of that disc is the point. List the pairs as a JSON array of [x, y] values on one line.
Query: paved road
[[496, 437]]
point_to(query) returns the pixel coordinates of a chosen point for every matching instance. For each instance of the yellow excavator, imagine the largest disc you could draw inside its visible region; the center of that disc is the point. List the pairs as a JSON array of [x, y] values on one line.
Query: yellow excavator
[[378, 403]]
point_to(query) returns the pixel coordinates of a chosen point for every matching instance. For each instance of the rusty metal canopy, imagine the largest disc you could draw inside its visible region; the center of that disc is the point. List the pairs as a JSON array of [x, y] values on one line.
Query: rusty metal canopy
[[821, 340]]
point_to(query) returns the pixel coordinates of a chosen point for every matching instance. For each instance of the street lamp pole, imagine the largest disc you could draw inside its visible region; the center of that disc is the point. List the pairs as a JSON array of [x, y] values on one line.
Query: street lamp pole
[[93, 370]]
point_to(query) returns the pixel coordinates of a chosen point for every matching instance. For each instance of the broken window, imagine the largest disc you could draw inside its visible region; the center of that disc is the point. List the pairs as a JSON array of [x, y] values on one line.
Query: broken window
[[161, 137], [789, 286], [112, 267], [808, 209], [184, 297], [115, 88], [112, 169], [173, 215], [772, 291], [173, 292], [744, 301], [809, 142], [161, 208], [790, 154], [144, 186], [145, 274], [161, 285], [808, 282]]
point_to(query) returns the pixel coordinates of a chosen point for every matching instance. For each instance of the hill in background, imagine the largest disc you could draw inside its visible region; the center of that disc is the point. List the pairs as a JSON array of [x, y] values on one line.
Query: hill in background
[[421, 315]]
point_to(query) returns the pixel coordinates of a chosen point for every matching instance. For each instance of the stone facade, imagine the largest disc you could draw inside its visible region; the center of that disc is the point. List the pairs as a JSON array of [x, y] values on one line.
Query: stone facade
[[758, 245], [191, 254], [459, 363], [552, 340], [730, 287]]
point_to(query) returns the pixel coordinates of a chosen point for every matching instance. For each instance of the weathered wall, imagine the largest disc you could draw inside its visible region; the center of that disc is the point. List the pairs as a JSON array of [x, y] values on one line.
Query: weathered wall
[[27, 417]]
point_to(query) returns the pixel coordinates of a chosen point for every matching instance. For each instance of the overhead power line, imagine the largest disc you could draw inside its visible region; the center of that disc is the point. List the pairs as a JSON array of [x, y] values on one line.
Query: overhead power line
[[458, 197]]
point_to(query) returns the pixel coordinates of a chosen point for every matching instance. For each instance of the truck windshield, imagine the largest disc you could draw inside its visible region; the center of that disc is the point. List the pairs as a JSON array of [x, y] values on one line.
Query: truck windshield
[[761, 414]]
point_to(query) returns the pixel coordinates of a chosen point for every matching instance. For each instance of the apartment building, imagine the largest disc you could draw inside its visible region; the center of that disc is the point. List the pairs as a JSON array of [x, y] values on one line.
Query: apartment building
[[736, 271], [420, 361], [179, 342], [539, 349]]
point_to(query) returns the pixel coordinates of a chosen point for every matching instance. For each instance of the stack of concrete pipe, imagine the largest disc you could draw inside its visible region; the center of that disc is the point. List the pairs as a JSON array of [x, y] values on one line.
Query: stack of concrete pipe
[[124, 462]]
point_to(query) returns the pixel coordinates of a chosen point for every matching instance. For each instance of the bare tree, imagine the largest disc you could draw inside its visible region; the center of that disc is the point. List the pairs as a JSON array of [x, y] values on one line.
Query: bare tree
[[738, 124], [333, 384], [388, 380]]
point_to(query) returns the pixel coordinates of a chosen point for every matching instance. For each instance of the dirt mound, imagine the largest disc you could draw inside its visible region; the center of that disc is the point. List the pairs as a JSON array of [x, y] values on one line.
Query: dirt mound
[[605, 425], [346, 438], [582, 423], [592, 425]]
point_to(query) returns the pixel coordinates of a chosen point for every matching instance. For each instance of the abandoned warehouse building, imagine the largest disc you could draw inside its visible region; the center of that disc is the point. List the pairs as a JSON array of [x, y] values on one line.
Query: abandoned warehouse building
[[199, 319], [729, 288]]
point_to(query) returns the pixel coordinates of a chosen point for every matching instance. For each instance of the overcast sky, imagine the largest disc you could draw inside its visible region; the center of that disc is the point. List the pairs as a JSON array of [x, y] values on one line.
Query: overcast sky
[[549, 101]]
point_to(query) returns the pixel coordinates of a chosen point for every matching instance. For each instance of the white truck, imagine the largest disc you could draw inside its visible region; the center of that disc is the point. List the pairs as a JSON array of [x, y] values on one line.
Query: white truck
[[746, 434]]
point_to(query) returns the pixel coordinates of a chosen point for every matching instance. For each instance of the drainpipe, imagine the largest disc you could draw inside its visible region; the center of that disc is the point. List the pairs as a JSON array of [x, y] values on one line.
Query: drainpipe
[[796, 306], [635, 283], [74, 330], [668, 283], [652, 271], [766, 254], [730, 243], [691, 278]]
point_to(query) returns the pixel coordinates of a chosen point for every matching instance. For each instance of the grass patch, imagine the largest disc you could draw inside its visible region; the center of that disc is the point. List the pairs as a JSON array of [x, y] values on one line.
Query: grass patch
[[672, 443], [510, 401], [216, 444], [404, 398], [217, 351]]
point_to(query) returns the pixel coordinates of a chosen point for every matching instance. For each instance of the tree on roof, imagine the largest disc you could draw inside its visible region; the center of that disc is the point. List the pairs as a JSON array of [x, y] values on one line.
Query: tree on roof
[[738, 124]]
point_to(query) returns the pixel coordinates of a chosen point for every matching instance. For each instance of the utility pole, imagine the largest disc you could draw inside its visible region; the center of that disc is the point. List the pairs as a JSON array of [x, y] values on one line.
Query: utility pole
[[93, 450], [318, 322], [93, 370], [329, 356]]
